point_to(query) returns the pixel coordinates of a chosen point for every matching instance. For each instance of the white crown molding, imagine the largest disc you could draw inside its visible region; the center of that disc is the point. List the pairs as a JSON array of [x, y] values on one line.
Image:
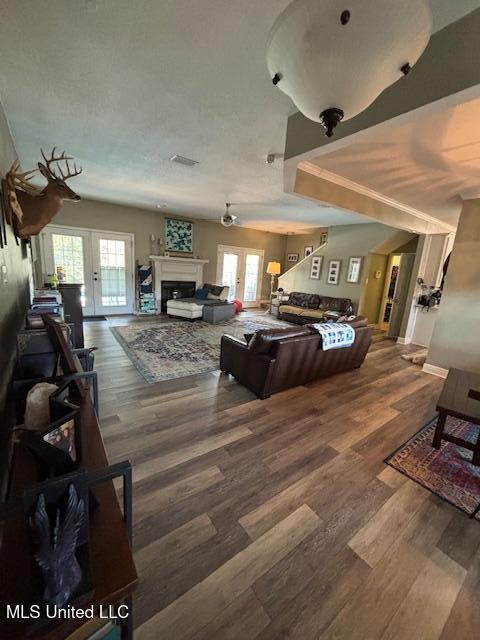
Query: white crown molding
[[440, 372], [313, 169]]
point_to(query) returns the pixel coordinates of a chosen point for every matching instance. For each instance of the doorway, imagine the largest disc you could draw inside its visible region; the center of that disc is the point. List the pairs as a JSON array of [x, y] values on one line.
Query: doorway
[[241, 270], [101, 260], [397, 281]]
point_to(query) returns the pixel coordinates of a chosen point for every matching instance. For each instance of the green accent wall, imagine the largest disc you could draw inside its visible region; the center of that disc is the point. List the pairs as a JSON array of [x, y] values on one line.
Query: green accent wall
[[15, 267]]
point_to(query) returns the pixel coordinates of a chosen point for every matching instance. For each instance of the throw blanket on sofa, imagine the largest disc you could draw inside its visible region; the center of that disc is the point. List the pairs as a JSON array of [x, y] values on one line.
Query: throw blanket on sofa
[[335, 335]]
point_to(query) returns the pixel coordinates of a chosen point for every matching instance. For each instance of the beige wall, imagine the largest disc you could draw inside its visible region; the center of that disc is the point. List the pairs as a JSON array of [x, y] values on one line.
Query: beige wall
[[297, 244], [142, 223], [312, 186], [455, 341], [343, 242], [14, 280], [372, 299]]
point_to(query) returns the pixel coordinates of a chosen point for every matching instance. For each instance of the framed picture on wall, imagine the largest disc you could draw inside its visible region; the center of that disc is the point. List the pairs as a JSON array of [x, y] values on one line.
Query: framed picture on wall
[[354, 270], [323, 238], [292, 257], [178, 235], [333, 271], [316, 267], [308, 251]]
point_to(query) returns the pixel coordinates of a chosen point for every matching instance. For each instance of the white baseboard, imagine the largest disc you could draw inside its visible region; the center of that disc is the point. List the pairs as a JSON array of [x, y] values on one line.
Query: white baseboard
[[404, 340], [435, 371]]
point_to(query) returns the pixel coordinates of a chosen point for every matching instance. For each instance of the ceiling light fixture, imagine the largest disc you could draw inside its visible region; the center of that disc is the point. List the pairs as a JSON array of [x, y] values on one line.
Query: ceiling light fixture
[[228, 219], [188, 162], [271, 157], [333, 64]]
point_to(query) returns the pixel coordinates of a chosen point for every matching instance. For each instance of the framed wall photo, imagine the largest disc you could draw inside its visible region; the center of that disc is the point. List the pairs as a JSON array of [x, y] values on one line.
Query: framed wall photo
[[316, 267], [333, 271], [292, 257], [308, 251], [354, 270], [323, 238], [178, 235]]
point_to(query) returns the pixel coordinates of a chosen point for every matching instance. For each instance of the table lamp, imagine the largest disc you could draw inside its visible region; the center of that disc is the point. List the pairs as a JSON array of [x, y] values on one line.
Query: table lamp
[[273, 269]]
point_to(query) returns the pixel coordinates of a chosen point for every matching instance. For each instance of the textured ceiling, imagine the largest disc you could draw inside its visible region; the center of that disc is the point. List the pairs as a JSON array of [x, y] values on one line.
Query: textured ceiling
[[429, 165], [124, 85]]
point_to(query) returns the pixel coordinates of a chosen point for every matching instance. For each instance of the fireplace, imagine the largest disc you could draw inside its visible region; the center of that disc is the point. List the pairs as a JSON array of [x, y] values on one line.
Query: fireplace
[[174, 289]]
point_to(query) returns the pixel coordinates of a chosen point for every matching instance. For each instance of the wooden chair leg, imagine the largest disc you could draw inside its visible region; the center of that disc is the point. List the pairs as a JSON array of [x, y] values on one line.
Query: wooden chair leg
[[437, 438]]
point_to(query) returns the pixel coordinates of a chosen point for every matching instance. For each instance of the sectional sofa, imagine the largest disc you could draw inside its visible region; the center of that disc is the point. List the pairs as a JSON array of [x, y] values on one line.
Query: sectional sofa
[[305, 308]]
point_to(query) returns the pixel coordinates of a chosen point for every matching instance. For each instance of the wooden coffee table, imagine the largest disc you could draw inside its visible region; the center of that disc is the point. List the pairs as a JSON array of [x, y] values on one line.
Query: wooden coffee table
[[460, 398]]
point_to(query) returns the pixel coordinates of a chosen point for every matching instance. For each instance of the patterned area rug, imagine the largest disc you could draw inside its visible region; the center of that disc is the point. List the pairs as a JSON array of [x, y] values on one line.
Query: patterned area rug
[[447, 471], [165, 349]]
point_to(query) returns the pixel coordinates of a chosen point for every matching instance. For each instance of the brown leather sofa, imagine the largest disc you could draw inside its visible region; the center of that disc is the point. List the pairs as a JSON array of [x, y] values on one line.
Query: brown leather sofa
[[273, 360], [305, 308]]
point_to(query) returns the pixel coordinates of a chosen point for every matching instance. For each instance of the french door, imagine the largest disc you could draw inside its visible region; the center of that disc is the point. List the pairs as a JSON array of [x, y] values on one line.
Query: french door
[[101, 260], [241, 269]]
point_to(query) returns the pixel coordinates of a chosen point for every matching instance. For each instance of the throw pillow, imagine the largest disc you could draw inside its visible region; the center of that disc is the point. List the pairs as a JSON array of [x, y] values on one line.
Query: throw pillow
[[201, 294]]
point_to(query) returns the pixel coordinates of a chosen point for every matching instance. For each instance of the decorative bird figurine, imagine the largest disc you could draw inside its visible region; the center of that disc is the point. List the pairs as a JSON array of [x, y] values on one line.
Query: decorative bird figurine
[[55, 549]]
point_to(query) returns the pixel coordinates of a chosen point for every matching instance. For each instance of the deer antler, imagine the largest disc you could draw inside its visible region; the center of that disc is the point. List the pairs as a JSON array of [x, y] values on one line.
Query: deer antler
[[20, 181], [76, 172], [57, 159]]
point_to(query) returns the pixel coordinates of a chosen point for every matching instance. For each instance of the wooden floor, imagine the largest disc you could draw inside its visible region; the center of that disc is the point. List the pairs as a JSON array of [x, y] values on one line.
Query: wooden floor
[[278, 518]]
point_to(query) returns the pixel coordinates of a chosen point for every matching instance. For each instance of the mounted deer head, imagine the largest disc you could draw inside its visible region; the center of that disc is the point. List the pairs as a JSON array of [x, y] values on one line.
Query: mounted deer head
[[34, 207]]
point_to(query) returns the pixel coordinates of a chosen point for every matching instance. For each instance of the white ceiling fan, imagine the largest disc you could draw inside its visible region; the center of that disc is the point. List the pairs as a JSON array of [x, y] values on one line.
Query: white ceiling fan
[[228, 219]]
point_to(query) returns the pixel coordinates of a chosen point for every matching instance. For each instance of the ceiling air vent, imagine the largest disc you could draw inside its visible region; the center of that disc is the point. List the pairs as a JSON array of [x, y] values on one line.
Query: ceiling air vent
[[188, 162]]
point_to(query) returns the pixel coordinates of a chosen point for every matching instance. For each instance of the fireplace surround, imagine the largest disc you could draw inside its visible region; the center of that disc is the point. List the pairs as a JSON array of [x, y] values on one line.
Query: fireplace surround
[[175, 289], [176, 270]]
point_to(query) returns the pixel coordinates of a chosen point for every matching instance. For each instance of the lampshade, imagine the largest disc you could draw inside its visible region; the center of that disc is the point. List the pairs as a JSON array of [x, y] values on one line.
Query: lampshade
[[274, 268], [333, 61]]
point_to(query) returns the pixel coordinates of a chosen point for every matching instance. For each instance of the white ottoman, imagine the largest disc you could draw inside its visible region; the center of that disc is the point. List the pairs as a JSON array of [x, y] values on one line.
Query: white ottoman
[[189, 310]]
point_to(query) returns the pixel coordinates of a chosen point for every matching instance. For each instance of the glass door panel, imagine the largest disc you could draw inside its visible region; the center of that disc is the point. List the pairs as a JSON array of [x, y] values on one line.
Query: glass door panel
[[252, 265], [112, 274], [241, 270], [229, 273], [68, 256], [69, 252], [113, 281]]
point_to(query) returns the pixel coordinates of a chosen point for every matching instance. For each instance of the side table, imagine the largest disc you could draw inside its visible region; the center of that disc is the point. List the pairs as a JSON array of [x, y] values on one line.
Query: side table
[[460, 398]]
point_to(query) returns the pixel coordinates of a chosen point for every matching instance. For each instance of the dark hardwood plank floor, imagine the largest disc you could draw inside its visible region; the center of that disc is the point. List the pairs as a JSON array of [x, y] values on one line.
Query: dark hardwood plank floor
[[278, 518]]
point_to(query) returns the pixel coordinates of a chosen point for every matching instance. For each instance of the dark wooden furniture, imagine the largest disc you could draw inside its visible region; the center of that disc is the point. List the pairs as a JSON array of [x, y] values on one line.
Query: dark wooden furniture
[[72, 307], [113, 571], [460, 398]]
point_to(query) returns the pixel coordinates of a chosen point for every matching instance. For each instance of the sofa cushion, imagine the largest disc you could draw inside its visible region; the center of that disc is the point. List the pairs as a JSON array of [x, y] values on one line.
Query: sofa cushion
[[313, 313], [201, 294], [328, 303], [288, 308], [263, 340], [216, 291], [357, 322], [304, 300]]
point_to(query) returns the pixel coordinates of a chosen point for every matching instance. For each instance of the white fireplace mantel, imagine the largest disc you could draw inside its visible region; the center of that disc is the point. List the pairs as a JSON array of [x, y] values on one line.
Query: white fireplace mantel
[[181, 269], [176, 259]]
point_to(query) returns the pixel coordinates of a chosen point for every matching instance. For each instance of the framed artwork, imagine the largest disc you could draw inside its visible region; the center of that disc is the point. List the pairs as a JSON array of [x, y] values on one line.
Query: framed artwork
[[178, 235], [316, 267], [354, 270], [292, 257], [308, 251], [323, 238], [334, 271]]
